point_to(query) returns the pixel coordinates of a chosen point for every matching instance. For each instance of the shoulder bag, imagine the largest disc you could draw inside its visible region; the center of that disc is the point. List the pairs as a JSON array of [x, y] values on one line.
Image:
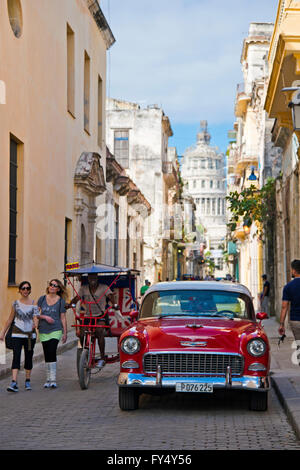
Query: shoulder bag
[[8, 338]]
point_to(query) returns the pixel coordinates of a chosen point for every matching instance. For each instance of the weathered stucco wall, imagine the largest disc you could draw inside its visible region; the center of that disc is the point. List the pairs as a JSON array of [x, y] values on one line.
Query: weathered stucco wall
[[33, 68]]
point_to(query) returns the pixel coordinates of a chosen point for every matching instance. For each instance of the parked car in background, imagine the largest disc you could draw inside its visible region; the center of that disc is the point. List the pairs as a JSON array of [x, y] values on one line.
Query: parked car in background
[[195, 337]]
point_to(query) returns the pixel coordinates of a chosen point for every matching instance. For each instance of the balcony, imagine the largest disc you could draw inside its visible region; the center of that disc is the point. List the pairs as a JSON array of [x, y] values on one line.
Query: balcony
[[170, 174], [242, 100], [246, 156], [231, 162]]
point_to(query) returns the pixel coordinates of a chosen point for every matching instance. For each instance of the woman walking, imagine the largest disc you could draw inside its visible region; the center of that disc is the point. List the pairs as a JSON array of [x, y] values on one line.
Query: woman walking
[[24, 314], [52, 326]]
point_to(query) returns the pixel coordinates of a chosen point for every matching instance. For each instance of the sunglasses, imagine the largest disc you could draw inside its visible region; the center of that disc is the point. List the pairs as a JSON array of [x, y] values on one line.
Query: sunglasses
[[25, 288], [53, 285]]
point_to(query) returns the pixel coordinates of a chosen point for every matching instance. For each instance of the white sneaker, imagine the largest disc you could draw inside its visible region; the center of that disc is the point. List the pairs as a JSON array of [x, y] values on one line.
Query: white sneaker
[[52, 385], [100, 364], [47, 385]]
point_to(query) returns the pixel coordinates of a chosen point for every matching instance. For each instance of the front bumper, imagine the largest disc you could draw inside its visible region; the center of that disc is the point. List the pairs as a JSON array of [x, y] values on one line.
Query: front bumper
[[245, 382]]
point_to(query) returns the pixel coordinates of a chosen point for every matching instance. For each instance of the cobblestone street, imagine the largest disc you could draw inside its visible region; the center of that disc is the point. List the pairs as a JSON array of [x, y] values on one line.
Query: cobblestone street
[[69, 418]]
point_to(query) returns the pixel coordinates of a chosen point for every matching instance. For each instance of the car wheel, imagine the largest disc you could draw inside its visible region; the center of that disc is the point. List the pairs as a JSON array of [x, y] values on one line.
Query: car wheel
[[128, 399], [258, 401]]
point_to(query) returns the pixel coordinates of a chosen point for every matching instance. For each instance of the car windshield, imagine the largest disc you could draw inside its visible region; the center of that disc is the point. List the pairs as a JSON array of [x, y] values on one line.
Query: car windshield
[[199, 303]]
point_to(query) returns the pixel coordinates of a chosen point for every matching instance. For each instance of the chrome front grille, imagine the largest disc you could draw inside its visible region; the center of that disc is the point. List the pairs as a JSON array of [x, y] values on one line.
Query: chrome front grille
[[193, 363]]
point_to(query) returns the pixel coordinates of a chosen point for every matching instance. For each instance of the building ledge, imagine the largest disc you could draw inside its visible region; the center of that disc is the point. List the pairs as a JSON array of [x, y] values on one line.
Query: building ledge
[[101, 22]]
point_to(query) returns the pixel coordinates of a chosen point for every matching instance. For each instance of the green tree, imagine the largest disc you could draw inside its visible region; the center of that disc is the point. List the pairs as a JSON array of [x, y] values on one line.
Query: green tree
[[253, 205]]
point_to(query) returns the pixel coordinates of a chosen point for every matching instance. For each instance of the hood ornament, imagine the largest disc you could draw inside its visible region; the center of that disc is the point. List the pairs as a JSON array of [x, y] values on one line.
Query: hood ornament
[[193, 343], [194, 325]]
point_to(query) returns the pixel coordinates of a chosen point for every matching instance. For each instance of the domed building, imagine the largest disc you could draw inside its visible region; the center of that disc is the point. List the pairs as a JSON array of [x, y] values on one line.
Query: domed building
[[203, 171]]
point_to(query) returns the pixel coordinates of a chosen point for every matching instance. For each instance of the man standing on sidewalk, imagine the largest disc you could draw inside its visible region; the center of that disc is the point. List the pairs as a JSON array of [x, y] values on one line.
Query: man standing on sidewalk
[[264, 299], [291, 301]]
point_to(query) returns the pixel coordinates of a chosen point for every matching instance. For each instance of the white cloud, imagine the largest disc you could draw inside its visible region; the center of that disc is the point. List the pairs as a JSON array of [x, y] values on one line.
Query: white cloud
[[181, 54]]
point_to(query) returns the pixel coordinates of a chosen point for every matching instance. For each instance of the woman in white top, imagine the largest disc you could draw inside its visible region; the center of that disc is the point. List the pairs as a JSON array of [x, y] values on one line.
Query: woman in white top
[[24, 314]]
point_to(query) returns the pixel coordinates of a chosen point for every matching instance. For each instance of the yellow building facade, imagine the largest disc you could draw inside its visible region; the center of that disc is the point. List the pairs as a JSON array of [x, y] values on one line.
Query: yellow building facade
[[246, 152], [52, 138], [284, 67]]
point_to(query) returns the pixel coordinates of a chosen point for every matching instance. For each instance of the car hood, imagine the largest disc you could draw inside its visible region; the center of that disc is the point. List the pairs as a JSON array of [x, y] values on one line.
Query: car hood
[[195, 333]]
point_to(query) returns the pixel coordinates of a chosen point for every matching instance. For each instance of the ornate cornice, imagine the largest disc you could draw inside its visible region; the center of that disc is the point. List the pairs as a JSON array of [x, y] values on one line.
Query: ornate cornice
[[258, 39], [89, 173], [116, 175], [113, 168]]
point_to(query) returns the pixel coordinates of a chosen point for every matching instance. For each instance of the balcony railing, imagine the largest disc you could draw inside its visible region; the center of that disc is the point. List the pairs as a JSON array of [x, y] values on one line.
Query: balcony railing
[[246, 154]]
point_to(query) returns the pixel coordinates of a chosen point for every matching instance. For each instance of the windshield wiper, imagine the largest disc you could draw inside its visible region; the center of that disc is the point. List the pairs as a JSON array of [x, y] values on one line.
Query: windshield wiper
[[190, 314], [224, 315], [170, 315]]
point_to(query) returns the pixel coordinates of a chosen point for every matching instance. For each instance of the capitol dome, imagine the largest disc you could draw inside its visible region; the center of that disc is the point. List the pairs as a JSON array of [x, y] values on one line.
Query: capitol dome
[[203, 172]]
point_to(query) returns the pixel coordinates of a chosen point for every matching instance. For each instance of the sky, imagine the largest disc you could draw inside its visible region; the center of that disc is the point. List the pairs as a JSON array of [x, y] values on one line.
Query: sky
[[184, 56]]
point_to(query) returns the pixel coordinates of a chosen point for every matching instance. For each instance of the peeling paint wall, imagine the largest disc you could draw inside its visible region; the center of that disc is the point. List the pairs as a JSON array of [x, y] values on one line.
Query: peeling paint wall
[[148, 148]]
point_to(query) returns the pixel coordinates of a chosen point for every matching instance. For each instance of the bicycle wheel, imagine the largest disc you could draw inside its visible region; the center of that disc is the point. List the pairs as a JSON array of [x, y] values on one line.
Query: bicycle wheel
[[84, 371], [78, 356]]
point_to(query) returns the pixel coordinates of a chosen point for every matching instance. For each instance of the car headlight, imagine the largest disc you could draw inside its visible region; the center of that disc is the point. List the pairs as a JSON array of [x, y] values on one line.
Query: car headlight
[[130, 345], [256, 347]]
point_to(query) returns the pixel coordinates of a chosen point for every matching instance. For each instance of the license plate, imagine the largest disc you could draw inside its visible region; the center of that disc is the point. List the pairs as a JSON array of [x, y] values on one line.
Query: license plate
[[194, 387]]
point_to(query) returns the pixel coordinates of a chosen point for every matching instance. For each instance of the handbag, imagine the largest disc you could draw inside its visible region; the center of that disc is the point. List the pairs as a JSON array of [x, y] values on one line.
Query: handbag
[[8, 338]]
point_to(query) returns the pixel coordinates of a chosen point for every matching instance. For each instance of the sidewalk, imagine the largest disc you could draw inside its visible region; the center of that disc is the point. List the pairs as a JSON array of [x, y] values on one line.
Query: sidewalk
[[285, 375]]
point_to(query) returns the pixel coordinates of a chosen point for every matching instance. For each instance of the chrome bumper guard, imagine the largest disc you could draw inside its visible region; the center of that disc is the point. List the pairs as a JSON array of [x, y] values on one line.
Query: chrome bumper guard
[[245, 382]]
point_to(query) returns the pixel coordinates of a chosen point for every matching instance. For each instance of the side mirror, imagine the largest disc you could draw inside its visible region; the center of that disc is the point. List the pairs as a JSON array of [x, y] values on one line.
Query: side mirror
[[133, 315], [261, 316]]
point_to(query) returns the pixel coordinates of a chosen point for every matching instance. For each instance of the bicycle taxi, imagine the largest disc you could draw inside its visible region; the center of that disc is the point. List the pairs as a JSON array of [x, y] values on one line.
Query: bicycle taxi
[[122, 281]]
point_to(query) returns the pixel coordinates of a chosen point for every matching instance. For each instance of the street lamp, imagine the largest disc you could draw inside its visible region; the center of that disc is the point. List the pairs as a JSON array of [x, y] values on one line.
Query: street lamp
[[246, 226], [294, 104], [295, 115], [252, 177]]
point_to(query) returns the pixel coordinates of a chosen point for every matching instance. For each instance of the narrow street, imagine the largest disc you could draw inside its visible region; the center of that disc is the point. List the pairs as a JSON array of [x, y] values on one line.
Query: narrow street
[[146, 197], [71, 419]]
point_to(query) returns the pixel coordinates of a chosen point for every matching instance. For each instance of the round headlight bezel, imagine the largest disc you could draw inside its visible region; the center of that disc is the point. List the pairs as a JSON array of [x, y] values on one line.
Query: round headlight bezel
[[131, 351], [260, 352]]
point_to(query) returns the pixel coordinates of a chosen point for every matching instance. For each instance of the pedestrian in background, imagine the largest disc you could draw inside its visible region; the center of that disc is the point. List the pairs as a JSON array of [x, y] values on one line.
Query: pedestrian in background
[[24, 314], [52, 327], [145, 287], [291, 302], [265, 295]]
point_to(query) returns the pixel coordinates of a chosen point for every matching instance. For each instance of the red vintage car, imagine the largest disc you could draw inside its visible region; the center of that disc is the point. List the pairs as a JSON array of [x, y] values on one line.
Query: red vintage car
[[195, 337]]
